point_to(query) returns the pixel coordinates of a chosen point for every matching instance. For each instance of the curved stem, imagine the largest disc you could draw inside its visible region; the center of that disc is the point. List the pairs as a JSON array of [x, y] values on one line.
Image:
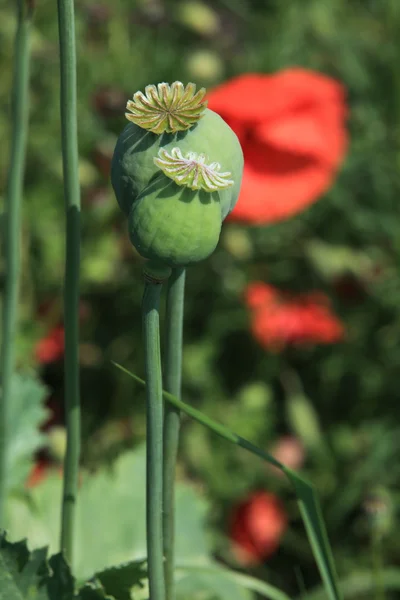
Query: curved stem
[[12, 229], [172, 415], [154, 439], [66, 24]]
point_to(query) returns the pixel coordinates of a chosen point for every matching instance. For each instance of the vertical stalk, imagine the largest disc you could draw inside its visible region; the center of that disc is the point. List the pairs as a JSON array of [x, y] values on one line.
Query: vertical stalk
[[71, 286], [377, 564], [12, 229], [154, 453], [172, 415]]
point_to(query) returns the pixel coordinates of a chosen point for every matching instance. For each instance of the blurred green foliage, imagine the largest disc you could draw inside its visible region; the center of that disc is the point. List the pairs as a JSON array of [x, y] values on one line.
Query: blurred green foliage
[[342, 401]]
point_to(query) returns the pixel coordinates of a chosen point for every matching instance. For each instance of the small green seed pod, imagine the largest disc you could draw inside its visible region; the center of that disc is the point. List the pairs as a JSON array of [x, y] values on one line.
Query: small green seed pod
[[174, 224], [169, 117]]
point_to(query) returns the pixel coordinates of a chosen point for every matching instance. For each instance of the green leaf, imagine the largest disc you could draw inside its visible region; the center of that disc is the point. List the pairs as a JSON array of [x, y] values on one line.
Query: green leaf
[[26, 414], [208, 584], [61, 584], [123, 538], [26, 575], [191, 515], [93, 591], [219, 581], [22, 573], [111, 501], [256, 585], [110, 530], [205, 581], [119, 580], [308, 500]]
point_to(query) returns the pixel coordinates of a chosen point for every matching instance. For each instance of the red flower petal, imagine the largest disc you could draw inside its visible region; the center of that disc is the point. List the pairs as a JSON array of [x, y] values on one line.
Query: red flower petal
[[277, 185], [304, 319], [51, 347], [256, 527], [245, 98], [298, 134], [259, 294], [291, 127], [39, 472], [258, 97]]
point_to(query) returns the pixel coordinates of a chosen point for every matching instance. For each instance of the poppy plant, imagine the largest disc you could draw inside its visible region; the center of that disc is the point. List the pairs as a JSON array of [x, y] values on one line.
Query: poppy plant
[[280, 320], [291, 126], [256, 526]]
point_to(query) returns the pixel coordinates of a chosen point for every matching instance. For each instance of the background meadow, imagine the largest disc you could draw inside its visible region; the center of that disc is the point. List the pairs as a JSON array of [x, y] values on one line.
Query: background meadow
[[291, 327]]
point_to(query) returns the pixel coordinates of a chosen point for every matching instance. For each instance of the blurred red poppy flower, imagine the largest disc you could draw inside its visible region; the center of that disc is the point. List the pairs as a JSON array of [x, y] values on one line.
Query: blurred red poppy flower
[[292, 129], [280, 320], [51, 347], [39, 472], [256, 527], [259, 294], [43, 469]]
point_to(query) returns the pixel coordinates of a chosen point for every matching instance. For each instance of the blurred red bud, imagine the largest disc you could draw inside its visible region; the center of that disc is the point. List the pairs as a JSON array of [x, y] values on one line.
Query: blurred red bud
[[256, 527]]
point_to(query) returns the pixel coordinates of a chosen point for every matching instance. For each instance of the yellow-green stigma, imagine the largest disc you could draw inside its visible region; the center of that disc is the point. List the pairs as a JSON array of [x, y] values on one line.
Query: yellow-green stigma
[[167, 108], [192, 170]]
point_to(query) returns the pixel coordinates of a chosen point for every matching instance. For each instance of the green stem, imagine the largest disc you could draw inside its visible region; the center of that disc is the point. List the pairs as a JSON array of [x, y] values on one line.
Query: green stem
[[71, 291], [172, 415], [154, 439], [12, 225], [377, 560]]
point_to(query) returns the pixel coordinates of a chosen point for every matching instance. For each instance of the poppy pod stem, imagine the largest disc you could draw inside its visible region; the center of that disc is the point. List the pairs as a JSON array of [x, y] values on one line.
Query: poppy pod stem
[[172, 415], [20, 100], [154, 438], [66, 27]]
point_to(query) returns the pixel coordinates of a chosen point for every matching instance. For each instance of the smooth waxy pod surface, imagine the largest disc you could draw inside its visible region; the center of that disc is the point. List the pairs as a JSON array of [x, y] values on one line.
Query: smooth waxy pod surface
[[133, 162], [174, 224]]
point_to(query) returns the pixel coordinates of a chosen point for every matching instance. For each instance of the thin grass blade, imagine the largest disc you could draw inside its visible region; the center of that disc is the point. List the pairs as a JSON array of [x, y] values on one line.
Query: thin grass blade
[[308, 501]]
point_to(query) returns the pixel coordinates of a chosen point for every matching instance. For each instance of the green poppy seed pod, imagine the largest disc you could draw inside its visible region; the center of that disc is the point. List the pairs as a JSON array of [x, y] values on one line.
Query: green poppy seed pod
[[166, 117], [174, 224]]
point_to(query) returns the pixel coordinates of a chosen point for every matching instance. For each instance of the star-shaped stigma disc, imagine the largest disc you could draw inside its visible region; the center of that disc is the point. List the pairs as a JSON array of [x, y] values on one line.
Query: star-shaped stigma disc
[[192, 170], [167, 108]]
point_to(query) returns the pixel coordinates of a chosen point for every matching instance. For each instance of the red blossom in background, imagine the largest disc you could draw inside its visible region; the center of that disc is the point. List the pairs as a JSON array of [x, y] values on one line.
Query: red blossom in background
[[39, 472], [256, 527], [291, 126], [279, 320], [51, 347]]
